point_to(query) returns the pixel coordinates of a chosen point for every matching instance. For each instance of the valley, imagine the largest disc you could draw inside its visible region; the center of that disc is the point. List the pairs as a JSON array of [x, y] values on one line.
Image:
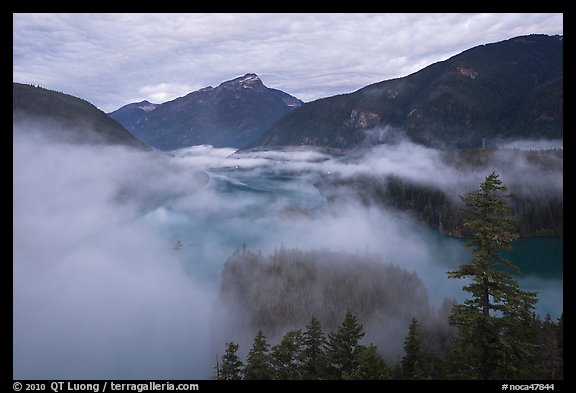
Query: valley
[[148, 238]]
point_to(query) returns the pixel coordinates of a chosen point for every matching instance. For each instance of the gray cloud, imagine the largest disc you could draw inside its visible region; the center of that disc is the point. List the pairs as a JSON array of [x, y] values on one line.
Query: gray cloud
[[97, 292], [114, 59]]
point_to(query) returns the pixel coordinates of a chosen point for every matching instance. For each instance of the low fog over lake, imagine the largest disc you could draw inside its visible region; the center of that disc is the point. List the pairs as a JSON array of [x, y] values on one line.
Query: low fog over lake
[[118, 253]]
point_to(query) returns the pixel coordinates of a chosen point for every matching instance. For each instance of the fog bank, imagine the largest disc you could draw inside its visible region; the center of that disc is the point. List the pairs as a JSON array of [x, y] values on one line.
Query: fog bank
[[117, 254]]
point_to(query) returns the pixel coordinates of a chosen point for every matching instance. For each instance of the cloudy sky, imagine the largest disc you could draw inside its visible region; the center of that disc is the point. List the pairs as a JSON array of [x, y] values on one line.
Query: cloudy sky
[[114, 59]]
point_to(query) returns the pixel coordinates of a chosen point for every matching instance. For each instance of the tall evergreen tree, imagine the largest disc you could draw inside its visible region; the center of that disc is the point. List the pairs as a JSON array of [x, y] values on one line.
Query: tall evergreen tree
[[231, 367], [286, 357], [258, 359], [371, 365], [413, 360], [344, 347], [491, 340], [314, 353]]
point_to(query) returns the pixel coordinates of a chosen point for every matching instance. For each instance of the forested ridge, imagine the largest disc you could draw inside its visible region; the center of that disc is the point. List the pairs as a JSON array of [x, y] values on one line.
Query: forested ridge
[[293, 285], [511, 89], [536, 208], [67, 117]]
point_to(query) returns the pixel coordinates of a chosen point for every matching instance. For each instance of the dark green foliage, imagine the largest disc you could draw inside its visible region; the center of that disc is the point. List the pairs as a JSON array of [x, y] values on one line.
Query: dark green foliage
[[258, 359], [508, 89], [287, 357], [344, 348], [346, 358], [492, 232], [494, 336], [301, 355], [66, 117], [371, 366], [413, 362], [314, 360], [539, 214], [231, 367]]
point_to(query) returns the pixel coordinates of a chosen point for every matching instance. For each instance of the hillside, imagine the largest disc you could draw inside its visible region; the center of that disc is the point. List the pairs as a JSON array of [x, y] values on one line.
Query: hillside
[[508, 89], [67, 117]]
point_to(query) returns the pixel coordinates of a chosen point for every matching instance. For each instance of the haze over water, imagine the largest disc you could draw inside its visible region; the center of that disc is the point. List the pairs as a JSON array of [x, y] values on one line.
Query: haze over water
[[102, 289]]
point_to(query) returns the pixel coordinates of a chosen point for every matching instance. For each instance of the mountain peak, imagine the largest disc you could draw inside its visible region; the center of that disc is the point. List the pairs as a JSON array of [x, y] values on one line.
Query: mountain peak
[[233, 114], [246, 81], [249, 78], [146, 106]]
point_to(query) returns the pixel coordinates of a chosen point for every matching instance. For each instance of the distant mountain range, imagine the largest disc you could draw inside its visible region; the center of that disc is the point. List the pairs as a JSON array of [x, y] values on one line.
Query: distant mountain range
[[509, 89], [234, 114], [65, 117]]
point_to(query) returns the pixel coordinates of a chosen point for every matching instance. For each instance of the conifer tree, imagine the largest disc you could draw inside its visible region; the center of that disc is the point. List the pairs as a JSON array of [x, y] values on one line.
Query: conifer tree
[[413, 360], [371, 365], [286, 357], [344, 347], [258, 359], [492, 339], [231, 367], [314, 352]]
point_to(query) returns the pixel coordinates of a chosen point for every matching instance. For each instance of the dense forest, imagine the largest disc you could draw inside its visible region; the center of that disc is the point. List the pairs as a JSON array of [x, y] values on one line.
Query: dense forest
[[536, 208], [281, 292], [311, 354], [289, 297]]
